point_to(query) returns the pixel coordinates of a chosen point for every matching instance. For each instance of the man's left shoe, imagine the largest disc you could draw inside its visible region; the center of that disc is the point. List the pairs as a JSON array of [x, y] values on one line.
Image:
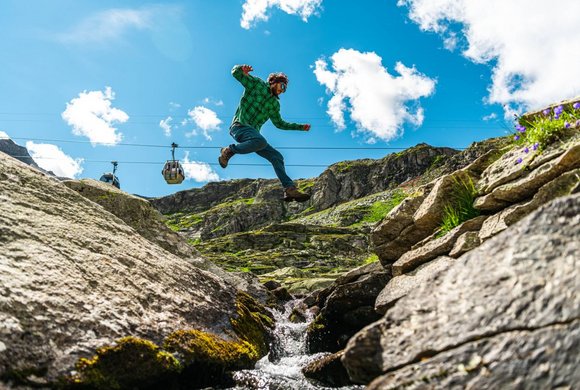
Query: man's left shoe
[[291, 193], [225, 155]]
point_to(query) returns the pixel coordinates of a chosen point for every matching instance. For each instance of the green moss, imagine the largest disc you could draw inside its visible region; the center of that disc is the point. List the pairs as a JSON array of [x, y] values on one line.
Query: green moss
[[130, 363], [180, 221], [196, 347], [371, 259], [304, 185], [253, 323], [378, 210]]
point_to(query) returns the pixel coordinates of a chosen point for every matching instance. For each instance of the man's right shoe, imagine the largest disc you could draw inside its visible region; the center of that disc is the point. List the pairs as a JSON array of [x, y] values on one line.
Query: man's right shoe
[[291, 193], [225, 155]]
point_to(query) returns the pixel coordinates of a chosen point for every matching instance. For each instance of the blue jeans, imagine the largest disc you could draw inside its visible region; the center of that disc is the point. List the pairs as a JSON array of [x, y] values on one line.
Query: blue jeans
[[250, 141]]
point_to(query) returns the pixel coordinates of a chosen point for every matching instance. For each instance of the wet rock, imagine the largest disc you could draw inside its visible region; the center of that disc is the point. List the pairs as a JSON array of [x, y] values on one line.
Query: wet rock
[[346, 308], [523, 280], [328, 370]]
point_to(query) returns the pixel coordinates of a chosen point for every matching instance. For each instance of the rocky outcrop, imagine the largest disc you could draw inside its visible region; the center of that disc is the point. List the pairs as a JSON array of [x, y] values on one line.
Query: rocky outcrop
[[349, 180], [491, 318], [251, 204], [19, 152], [75, 278]]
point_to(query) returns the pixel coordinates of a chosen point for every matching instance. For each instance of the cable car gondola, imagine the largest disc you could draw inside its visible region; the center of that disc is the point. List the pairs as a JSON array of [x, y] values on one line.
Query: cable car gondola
[[173, 171], [110, 178]]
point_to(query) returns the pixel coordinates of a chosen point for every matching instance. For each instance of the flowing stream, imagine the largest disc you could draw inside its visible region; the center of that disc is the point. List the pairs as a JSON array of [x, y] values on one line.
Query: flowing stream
[[283, 371]]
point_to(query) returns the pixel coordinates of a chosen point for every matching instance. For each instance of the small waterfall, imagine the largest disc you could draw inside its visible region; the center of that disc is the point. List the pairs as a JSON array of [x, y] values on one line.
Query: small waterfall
[[282, 368]]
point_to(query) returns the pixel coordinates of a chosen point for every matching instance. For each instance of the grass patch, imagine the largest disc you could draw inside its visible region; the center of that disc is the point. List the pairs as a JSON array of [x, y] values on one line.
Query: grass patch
[[460, 207], [378, 210]]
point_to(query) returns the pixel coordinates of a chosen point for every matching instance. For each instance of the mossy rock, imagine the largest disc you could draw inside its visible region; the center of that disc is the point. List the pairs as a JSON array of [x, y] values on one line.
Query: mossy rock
[[188, 358], [130, 363]]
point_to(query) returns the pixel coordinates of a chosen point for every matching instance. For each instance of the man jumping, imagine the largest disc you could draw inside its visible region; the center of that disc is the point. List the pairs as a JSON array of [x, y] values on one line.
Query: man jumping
[[260, 102]]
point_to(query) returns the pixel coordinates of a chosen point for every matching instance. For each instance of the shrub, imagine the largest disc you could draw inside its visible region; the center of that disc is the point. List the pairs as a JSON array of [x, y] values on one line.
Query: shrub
[[460, 207]]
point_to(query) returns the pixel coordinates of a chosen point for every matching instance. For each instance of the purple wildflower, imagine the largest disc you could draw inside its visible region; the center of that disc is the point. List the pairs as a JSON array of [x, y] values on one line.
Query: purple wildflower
[[520, 128], [566, 125], [527, 150], [546, 112], [558, 110], [556, 116], [519, 160], [516, 137], [536, 146], [577, 124], [576, 105]]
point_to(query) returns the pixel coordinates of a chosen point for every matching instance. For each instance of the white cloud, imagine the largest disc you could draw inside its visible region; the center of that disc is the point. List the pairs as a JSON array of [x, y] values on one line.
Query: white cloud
[[198, 171], [174, 106], [91, 115], [205, 119], [490, 117], [218, 103], [108, 25], [4, 135], [165, 124], [257, 10], [378, 102], [51, 158], [529, 44]]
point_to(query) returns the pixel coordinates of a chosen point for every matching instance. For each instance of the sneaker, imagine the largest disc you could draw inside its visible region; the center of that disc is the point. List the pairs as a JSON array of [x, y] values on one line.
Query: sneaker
[[291, 193], [225, 155]]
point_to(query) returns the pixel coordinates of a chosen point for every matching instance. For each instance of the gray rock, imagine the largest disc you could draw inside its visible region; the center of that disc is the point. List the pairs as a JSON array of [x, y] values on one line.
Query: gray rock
[[561, 186], [434, 247], [505, 169], [74, 277], [466, 242], [523, 188], [401, 285], [388, 239], [543, 358], [524, 279]]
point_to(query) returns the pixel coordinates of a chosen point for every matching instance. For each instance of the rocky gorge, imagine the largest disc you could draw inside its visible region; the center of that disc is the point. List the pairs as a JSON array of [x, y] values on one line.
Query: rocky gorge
[[431, 267]]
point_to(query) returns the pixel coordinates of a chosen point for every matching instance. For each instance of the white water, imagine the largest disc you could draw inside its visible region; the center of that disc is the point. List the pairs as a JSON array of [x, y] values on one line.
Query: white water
[[284, 372]]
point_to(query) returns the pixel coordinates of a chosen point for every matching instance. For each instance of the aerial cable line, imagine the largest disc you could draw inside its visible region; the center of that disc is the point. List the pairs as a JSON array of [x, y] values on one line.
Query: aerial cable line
[[213, 147], [161, 163]]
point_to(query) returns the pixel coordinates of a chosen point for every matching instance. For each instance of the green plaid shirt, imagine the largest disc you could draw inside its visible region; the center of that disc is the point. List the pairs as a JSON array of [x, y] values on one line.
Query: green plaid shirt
[[258, 104]]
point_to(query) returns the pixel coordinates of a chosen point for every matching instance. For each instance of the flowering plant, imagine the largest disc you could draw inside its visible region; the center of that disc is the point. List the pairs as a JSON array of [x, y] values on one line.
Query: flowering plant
[[541, 130]]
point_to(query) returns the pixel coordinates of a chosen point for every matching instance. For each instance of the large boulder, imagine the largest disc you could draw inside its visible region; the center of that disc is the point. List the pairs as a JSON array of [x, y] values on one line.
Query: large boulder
[[504, 313], [149, 223], [74, 278]]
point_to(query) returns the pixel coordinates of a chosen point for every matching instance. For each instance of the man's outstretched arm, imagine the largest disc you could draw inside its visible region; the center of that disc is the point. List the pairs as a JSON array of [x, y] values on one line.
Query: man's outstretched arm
[[280, 123], [242, 74]]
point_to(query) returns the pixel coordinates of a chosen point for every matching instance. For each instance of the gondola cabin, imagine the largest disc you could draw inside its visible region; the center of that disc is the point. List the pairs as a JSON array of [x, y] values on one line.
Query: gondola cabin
[[110, 178], [173, 171]]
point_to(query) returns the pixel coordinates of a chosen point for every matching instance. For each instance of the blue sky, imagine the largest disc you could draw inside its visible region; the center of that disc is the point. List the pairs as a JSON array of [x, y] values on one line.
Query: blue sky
[[368, 74]]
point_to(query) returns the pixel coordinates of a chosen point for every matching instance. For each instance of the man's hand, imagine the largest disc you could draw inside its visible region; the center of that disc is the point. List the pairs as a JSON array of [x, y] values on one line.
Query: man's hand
[[247, 69], [306, 127]]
